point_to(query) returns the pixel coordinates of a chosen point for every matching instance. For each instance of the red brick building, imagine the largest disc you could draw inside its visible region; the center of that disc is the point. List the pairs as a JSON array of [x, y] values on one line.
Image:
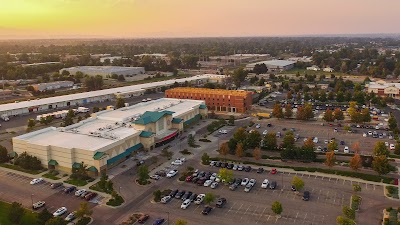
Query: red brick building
[[216, 99]]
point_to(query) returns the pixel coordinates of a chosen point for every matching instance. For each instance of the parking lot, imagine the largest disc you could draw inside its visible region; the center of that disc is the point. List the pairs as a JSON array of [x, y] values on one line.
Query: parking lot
[[15, 187], [326, 132], [328, 195]]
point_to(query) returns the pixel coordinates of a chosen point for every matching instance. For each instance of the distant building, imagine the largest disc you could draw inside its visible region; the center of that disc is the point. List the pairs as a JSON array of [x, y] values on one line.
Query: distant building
[[98, 56], [53, 85], [106, 70], [314, 68], [216, 99], [41, 64], [274, 65], [257, 89], [111, 58], [383, 88], [155, 55], [5, 93], [328, 69]]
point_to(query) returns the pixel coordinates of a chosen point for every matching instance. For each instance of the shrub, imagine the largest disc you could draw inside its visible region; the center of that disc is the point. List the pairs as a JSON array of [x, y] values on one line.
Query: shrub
[[204, 140], [83, 221], [185, 152]]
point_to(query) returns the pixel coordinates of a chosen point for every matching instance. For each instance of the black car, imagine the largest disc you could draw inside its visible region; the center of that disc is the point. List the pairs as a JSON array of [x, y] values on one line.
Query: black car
[[179, 194], [269, 125], [247, 168], [221, 202], [306, 196], [260, 170], [238, 181], [233, 187], [186, 195], [68, 190], [193, 197], [202, 174], [272, 185], [56, 185], [218, 164], [341, 142], [229, 166], [232, 181], [224, 164], [173, 193], [206, 210], [293, 188], [194, 180]]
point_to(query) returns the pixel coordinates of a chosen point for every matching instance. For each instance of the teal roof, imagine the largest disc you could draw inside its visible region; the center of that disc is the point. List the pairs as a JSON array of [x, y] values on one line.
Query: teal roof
[[53, 162], [76, 165], [152, 117], [93, 169], [177, 120], [146, 134], [12, 154], [98, 155], [203, 107]]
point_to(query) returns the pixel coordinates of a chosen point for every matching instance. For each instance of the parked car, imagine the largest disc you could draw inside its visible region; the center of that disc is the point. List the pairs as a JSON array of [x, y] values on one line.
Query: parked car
[[179, 194], [274, 171], [189, 178], [155, 177], [56, 185], [272, 185], [90, 196], [38, 204], [186, 195], [245, 181], [78, 193], [248, 188], [240, 168], [207, 183], [206, 210], [220, 202], [252, 182], [185, 204], [306, 196], [392, 147], [265, 183], [247, 168], [214, 185], [177, 162], [166, 199], [199, 199], [293, 188], [143, 218], [260, 170], [233, 187], [193, 197], [70, 217], [36, 181], [68, 190], [60, 211], [258, 126], [346, 149], [172, 173], [158, 221], [173, 193], [265, 132]]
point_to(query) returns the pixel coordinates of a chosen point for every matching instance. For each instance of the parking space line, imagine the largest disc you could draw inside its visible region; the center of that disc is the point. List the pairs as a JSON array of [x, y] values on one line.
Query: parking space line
[[254, 213], [231, 207], [239, 208], [261, 215], [245, 212]]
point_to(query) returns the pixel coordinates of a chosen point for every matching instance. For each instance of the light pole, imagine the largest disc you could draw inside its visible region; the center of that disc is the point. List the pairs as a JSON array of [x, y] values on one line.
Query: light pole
[[32, 198]]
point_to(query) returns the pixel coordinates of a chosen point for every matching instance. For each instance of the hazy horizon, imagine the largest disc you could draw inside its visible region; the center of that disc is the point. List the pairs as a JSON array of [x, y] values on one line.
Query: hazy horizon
[[63, 19]]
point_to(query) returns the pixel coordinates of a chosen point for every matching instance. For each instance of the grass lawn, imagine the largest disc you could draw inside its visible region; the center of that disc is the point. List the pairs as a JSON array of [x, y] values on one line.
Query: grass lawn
[[28, 219], [312, 72], [14, 167], [51, 176], [76, 182]]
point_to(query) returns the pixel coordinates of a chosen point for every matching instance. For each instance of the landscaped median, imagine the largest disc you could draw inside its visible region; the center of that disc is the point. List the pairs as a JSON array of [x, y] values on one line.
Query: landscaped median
[[18, 168], [355, 202], [368, 177], [29, 217], [392, 191]]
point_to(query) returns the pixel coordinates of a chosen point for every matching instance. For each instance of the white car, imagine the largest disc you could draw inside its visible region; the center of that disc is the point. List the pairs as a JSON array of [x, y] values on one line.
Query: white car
[[36, 181], [258, 126], [319, 148], [392, 147], [315, 140], [326, 141], [207, 183], [177, 162], [265, 183], [60, 211], [214, 185], [80, 192], [70, 217], [199, 199], [172, 173], [213, 176], [235, 167], [386, 144], [252, 182], [364, 134], [181, 159], [370, 133], [265, 132], [166, 199], [223, 131], [185, 204], [245, 181], [346, 149], [38, 204]]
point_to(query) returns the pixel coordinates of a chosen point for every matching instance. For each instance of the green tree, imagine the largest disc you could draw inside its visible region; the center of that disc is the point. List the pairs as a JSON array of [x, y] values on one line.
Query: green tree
[[397, 149], [56, 221], [349, 212], [191, 141], [224, 149], [231, 120], [239, 150], [44, 216], [288, 141], [205, 159], [253, 139], [277, 111], [120, 103], [340, 96], [392, 122], [381, 149], [332, 146], [83, 210], [355, 162], [356, 188], [340, 220], [209, 198], [16, 213], [338, 114], [3, 154], [157, 194], [180, 222], [225, 175], [270, 142], [31, 123], [143, 173], [95, 109], [381, 164], [298, 183], [238, 76], [366, 117], [288, 111], [260, 69], [277, 208]]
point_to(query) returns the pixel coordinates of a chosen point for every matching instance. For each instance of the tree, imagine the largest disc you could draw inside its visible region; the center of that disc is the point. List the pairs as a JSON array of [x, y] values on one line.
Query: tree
[[208, 198], [381, 149], [239, 75], [392, 122], [240, 135], [277, 208], [355, 162], [44, 216], [239, 150], [397, 149], [288, 111], [16, 212], [253, 139], [330, 159], [340, 220], [338, 114], [224, 149], [157, 194], [95, 109], [356, 188], [356, 147], [289, 95], [225, 175], [3, 154], [298, 183], [143, 173], [270, 141], [332, 146], [277, 111], [257, 153], [56, 221], [205, 159], [288, 141], [83, 210], [31, 123], [328, 116], [366, 117], [231, 120], [191, 141], [180, 222], [260, 69], [120, 103], [381, 164], [349, 212]]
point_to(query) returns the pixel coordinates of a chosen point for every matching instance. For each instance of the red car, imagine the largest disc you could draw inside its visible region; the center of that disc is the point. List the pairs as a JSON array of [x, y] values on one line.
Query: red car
[[90, 196], [189, 178], [273, 171]]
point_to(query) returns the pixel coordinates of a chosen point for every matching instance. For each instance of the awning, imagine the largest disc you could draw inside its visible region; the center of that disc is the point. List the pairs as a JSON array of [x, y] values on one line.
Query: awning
[[12, 154], [92, 169], [98, 155], [53, 162], [76, 165]]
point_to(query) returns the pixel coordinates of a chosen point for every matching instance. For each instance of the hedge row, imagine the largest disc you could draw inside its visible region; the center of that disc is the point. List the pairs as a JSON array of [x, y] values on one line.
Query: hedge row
[[368, 177]]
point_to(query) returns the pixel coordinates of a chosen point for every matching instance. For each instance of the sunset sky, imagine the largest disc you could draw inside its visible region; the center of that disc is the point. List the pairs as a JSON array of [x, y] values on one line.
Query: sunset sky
[[195, 18]]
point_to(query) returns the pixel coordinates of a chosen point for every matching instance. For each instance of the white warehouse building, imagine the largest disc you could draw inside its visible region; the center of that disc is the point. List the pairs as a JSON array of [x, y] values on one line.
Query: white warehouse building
[[273, 65], [106, 70]]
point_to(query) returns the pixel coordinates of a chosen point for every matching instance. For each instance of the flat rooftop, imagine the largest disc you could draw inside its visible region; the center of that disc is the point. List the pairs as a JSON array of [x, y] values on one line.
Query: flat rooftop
[[102, 69], [107, 127], [273, 63], [210, 91]]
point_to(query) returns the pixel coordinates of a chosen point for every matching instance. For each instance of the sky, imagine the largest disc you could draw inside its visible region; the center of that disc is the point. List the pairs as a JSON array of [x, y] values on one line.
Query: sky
[[195, 18]]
